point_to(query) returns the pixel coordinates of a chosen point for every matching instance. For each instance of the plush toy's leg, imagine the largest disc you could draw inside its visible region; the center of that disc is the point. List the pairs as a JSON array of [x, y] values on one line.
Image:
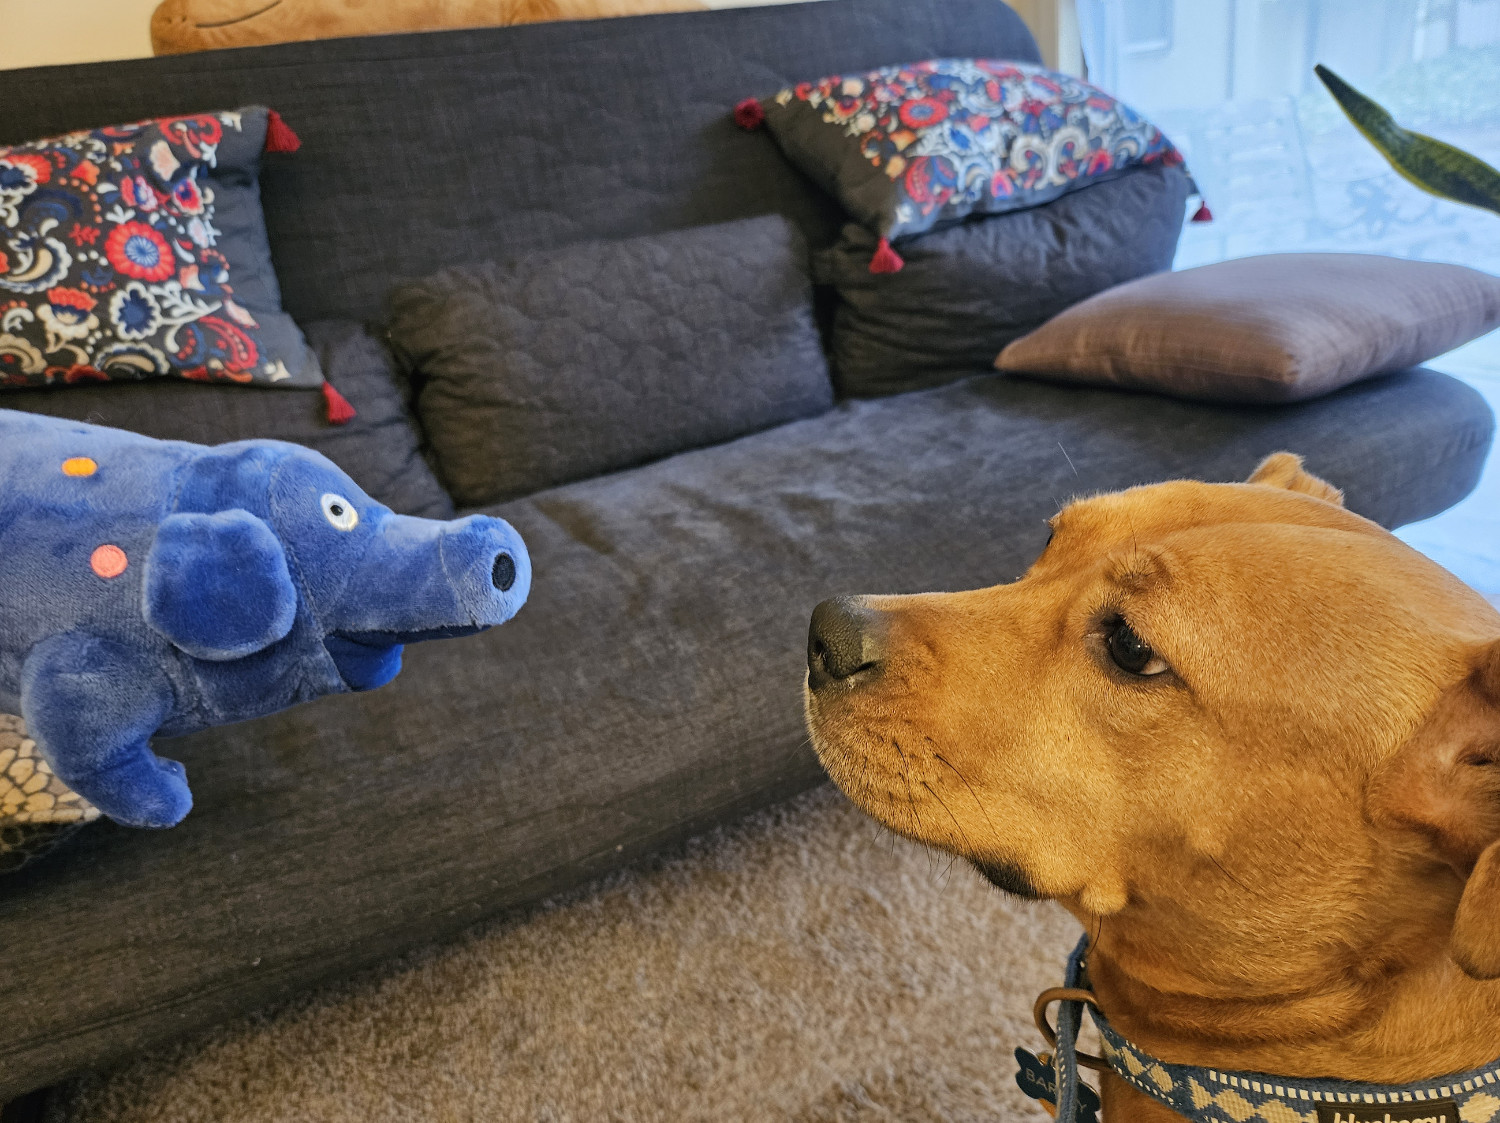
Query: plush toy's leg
[[92, 706]]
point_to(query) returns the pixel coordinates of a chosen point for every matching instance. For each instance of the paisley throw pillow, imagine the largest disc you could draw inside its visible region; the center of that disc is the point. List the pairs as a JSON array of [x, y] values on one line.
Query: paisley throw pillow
[[908, 148], [134, 251]]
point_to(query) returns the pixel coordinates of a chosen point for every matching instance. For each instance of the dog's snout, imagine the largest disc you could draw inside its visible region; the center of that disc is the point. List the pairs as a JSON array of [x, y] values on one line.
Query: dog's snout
[[842, 641], [503, 573]]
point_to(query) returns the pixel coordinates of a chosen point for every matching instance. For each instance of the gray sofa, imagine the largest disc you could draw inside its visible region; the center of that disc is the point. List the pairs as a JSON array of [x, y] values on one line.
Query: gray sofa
[[651, 688]]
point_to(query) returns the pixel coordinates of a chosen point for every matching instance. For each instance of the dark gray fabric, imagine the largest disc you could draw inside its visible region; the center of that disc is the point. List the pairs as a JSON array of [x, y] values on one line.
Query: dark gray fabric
[[21, 843], [422, 151], [562, 364], [650, 687], [379, 448], [967, 291]]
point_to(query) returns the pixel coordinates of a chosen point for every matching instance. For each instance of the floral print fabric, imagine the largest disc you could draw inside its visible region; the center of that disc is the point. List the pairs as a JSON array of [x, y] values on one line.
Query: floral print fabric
[[123, 252], [907, 148]]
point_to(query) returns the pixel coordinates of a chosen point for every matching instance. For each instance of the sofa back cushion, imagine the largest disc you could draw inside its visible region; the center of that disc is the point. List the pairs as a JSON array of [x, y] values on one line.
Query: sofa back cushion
[[427, 150], [969, 289], [566, 363]]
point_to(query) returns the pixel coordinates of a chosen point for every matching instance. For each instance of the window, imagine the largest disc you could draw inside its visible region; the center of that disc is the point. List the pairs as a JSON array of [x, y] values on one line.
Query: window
[[1278, 163], [1146, 27], [1283, 170]]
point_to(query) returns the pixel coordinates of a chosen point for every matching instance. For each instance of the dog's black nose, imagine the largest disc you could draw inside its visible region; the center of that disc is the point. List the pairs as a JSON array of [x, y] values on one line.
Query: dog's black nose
[[841, 642], [504, 573]]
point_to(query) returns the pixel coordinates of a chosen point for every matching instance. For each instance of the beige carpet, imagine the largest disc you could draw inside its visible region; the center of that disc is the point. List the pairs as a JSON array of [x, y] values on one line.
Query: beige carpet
[[802, 965]]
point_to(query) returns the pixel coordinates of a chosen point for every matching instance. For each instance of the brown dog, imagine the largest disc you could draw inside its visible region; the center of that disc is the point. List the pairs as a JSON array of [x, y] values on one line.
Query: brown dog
[[1249, 739]]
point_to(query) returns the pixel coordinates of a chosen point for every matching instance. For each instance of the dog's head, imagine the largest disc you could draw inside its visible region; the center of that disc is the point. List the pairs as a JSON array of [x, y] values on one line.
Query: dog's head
[[1256, 725]]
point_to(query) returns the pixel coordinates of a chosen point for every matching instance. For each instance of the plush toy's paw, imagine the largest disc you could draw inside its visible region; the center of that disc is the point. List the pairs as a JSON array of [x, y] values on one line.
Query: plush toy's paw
[[217, 586], [143, 790], [92, 706]]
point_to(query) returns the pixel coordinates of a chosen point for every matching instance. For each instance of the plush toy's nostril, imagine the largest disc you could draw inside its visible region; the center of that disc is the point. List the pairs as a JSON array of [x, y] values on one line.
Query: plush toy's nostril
[[504, 573]]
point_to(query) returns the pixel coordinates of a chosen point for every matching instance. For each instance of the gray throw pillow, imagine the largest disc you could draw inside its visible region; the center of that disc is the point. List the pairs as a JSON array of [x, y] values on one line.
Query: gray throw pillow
[[970, 289], [567, 363], [1277, 328]]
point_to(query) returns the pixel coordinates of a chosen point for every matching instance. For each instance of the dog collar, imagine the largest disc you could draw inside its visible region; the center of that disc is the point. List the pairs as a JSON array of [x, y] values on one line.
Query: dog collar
[[1209, 1095]]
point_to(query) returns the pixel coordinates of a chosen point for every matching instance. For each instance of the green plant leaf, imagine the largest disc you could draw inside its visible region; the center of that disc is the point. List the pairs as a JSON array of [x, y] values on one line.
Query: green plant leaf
[[1435, 167]]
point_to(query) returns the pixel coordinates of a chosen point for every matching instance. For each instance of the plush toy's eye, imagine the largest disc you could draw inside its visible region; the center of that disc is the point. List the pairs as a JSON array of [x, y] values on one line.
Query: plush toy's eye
[[1130, 652], [339, 511]]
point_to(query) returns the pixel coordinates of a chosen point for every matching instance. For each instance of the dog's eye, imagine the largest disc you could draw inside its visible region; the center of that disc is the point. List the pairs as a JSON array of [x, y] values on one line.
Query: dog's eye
[[339, 511], [1130, 652]]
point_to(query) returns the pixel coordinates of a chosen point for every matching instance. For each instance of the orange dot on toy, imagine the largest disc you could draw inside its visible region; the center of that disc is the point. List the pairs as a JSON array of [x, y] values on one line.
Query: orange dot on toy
[[79, 466], [108, 561]]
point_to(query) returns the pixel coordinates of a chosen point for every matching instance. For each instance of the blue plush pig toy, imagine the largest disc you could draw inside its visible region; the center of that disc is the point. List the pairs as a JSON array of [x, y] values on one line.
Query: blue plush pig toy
[[162, 587]]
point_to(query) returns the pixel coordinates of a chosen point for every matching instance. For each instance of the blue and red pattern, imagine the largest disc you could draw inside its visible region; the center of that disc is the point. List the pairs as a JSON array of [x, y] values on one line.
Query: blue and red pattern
[[973, 136], [108, 260]]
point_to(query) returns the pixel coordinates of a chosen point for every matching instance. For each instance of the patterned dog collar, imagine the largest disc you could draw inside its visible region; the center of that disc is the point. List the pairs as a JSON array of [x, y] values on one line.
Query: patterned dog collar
[[1208, 1095]]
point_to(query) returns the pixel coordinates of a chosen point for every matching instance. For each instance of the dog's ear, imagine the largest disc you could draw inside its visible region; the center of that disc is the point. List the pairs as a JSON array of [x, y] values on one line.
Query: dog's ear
[[1445, 784], [1284, 469]]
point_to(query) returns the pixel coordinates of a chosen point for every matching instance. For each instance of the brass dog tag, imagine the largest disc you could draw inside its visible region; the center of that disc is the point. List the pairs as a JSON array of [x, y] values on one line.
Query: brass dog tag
[[1429, 1111]]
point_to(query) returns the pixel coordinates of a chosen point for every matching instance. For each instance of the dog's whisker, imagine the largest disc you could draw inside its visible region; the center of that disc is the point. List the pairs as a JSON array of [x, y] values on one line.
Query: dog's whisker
[[1227, 874], [1068, 458], [952, 816], [906, 779], [947, 874], [982, 809]]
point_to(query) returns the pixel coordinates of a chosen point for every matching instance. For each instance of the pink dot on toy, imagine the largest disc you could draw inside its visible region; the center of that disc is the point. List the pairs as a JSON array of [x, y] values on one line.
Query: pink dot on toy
[[108, 561]]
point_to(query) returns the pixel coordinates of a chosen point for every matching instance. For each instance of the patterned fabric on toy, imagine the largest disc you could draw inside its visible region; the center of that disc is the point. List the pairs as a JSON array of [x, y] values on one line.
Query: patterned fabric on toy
[[161, 587], [133, 251], [37, 810], [907, 148]]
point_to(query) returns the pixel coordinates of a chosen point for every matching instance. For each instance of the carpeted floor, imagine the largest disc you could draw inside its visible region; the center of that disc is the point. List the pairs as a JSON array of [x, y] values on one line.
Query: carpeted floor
[[802, 965]]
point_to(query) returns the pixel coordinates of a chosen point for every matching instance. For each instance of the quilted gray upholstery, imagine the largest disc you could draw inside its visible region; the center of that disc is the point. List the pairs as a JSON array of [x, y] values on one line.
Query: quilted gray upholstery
[[563, 364]]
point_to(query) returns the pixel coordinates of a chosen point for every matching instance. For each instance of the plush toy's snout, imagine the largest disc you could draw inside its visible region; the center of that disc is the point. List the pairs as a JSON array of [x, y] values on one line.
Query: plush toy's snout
[[420, 580]]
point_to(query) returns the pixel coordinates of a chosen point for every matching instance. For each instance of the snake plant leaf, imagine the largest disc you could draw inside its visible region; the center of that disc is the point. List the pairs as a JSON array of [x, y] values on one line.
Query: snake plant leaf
[[1435, 167]]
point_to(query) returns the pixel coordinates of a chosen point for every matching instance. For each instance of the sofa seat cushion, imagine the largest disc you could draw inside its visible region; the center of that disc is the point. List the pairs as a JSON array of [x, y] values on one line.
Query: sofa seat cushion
[[379, 448], [651, 687]]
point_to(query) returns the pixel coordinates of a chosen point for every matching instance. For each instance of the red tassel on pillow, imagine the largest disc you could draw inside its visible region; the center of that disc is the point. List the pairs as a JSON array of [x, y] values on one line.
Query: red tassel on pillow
[[749, 114], [886, 260], [279, 135], [1203, 214], [340, 412]]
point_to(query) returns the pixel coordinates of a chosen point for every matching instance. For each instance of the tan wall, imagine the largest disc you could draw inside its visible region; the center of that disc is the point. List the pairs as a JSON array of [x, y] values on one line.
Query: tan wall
[[47, 32], [44, 32]]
